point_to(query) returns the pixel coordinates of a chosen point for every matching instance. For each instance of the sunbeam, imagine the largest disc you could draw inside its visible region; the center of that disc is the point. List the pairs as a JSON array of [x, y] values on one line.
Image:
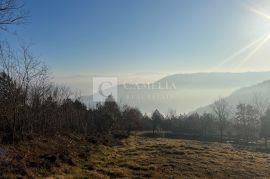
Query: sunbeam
[[239, 52], [254, 51], [259, 12], [250, 49]]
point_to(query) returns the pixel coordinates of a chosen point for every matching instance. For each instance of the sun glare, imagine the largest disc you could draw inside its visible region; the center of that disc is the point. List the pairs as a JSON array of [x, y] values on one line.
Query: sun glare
[[250, 50], [259, 12], [254, 51]]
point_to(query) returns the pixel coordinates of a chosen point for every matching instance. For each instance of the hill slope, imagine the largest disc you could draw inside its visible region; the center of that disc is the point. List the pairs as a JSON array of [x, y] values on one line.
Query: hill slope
[[258, 93], [185, 92], [216, 79]]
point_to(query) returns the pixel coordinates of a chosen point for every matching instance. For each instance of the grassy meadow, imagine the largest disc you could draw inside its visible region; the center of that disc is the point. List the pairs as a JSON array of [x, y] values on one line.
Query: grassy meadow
[[135, 157]]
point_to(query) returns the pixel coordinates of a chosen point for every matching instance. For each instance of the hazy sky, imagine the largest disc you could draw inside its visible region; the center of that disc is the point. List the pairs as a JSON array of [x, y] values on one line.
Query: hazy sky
[[89, 37]]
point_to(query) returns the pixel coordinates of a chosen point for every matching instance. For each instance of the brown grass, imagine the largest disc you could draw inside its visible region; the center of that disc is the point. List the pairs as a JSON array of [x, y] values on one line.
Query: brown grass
[[174, 158], [139, 157]]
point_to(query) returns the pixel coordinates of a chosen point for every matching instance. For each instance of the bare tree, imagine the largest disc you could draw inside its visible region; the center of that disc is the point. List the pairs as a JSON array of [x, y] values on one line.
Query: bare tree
[[221, 112], [11, 12], [260, 103], [9, 69], [207, 121], [131, 119], [247, 120], [26, 75], [157, 117], [265, 127]]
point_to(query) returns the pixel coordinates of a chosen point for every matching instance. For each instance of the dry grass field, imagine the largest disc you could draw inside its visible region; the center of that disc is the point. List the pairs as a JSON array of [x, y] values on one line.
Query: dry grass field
[[139, 157], [172, 158]]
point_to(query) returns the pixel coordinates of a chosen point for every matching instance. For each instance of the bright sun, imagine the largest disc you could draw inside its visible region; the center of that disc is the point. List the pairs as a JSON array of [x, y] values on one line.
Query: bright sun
[[252, 48]]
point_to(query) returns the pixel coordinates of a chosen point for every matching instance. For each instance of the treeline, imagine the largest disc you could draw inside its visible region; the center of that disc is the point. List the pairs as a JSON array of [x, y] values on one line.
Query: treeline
[[30, 104], [248, 124]]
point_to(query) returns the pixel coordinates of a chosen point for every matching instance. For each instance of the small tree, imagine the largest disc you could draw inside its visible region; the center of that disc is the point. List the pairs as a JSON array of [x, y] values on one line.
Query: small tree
[[260, 103], [207, 123], [132, 119], [156, 120], [112, 109], [247, 118], [192, 124], [221, 112], [265, 126]]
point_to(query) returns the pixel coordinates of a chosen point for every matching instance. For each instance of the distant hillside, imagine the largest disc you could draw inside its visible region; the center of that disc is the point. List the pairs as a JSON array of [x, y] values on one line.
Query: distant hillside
[[216, 80], [186, 91], [246, 95]]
